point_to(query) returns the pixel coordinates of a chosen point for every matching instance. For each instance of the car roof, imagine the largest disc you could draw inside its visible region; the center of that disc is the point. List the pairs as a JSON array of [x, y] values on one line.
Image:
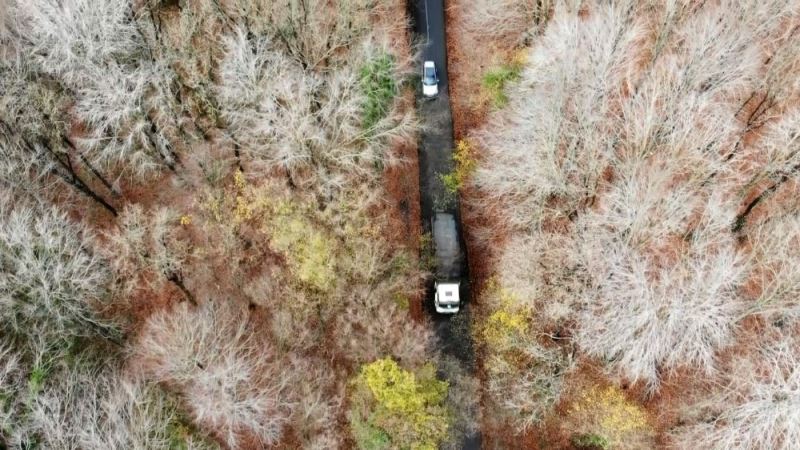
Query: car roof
[[429, 64], [442, 287]]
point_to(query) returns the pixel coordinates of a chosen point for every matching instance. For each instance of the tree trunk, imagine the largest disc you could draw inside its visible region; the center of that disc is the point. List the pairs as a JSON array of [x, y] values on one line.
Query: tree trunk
[[177, 280]]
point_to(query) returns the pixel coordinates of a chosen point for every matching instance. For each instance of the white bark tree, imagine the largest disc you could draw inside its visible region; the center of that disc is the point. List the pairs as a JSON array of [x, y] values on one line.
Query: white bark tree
[[94, 404], [756, 406], [99, 54], [52, 284], [145, 251], [619, 138], [230, 380], [283, 115]]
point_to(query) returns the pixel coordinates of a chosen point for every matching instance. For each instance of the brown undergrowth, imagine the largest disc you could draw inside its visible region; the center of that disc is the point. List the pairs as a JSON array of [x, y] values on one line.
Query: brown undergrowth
[[470, 54], [759, 191], [296, 279]]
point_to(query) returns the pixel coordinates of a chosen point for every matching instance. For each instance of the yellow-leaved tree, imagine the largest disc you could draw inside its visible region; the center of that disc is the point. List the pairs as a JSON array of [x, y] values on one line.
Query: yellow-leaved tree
[[397, 408], [602, 417]]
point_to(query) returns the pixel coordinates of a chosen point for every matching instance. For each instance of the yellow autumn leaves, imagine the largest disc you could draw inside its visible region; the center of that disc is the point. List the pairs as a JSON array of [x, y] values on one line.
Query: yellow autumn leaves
[[604, 417], [398, 408]]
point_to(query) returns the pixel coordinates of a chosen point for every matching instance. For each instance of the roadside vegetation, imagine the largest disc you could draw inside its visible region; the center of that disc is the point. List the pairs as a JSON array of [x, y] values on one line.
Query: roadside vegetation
[[495, 80], [641, 170], [464, 165], [197, 243]]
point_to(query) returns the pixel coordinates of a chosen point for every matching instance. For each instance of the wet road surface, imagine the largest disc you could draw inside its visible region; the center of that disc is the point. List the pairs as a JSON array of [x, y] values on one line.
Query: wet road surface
[[435, 158]]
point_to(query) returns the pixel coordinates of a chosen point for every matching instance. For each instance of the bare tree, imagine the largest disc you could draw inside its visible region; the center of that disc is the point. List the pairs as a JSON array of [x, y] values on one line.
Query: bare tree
[[284, 116], [644, 314], [52, 284], [756, 405], [615, 152], [94, 94], [266, 98], [513, 21], [315, 33], [11, 381], [369, 324], [774, 243], [366, 334], [524, 372], [691, 286], [145, 250], [537, 150], [94, 404], [229, 379], [768, 164], [98, 52], [546, 283], [189, 46], [319, 400], [36, 142]]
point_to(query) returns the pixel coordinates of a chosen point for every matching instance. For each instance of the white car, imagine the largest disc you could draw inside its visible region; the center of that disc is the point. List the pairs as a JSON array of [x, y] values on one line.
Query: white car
[[446, 299], [430, 82]]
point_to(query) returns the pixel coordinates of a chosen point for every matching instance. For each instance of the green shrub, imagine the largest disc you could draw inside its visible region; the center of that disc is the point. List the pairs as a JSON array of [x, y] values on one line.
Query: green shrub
[[36, 379], [494, 82], [368, 436], [465, 164], [593, 441], [427, 254], [378, 84]]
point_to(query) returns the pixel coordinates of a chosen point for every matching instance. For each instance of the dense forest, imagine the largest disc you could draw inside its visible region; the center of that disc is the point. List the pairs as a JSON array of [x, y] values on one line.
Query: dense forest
[[200, 237], [210, 231], [631, 172]]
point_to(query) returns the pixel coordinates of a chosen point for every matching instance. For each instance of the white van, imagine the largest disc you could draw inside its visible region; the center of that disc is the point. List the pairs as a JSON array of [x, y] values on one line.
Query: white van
[[449, 262], [446, 300]]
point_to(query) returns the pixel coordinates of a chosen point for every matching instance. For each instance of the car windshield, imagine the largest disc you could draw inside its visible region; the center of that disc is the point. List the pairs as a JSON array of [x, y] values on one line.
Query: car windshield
[[429, 75]]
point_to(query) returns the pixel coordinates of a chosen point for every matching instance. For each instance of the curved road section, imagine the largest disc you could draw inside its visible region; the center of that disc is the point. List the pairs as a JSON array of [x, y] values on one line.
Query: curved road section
[[435, 158]]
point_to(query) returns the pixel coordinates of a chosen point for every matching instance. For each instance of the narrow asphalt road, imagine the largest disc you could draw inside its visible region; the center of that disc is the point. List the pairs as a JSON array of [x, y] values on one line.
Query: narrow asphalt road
[[435, 158]]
